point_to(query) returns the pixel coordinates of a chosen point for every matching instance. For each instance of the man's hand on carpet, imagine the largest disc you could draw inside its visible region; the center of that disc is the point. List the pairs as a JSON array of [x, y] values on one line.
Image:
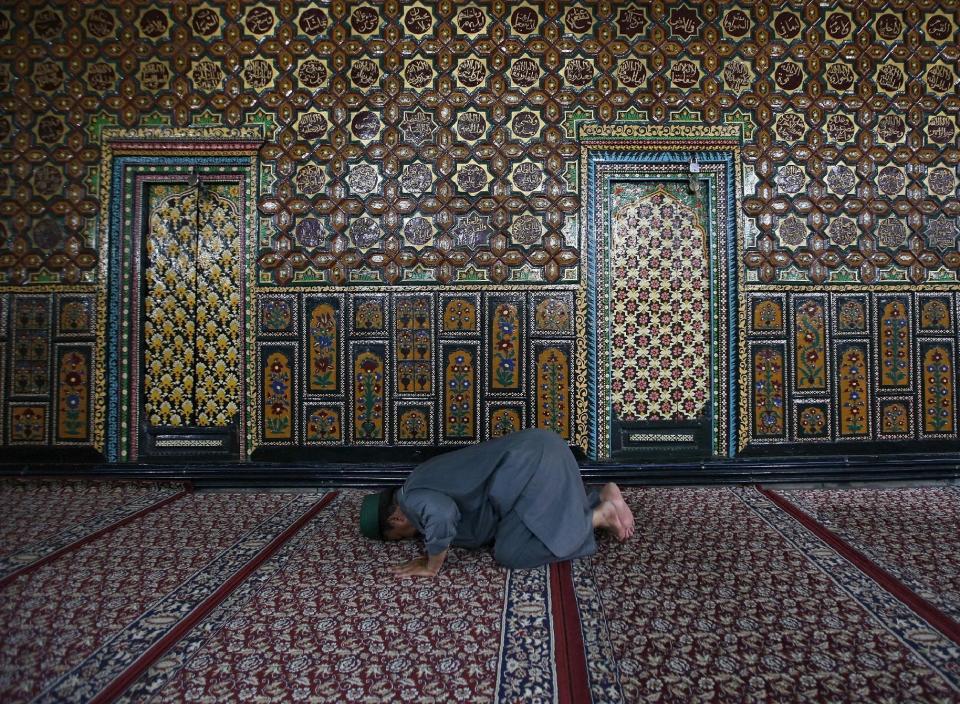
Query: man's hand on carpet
[[427, 566], [413, 568]]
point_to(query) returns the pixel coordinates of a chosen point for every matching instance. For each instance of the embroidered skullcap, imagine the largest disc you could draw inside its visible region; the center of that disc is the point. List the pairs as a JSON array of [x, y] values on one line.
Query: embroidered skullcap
[[373, 513]]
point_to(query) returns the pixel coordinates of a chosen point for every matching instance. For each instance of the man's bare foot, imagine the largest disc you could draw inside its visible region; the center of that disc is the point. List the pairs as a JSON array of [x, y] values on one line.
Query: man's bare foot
[[611, 493], [607, 517]]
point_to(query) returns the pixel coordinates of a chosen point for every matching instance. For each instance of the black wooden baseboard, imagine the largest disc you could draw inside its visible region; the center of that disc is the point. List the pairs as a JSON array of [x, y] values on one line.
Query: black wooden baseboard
[[768, 470]]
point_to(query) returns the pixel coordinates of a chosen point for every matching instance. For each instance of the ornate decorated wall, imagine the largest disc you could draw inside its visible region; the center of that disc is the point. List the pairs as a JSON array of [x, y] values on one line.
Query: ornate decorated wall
[[426, 224]]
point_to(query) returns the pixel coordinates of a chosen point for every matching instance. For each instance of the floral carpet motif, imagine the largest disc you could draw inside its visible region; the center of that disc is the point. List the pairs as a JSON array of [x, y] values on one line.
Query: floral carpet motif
[[323, 620], [70, 625], [40, 517], [912, 533], [721, 596]]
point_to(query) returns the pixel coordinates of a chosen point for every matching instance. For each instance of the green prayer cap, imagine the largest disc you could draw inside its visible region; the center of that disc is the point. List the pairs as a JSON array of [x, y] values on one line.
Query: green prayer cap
[[373, 506]]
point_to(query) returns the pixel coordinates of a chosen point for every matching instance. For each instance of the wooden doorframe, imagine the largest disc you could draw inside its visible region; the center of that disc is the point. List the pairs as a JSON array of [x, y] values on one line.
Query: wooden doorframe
[[131, 159], [645, 151]]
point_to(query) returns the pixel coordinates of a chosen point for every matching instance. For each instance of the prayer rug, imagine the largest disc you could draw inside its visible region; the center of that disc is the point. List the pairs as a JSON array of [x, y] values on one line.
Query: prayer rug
[[911, 533], [42, 519], [72, 626], [324, 620], [721, 596]]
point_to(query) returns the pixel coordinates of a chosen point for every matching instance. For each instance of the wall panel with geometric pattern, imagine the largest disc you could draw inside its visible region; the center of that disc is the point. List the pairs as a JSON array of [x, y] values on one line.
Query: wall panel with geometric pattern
[[434, 156]]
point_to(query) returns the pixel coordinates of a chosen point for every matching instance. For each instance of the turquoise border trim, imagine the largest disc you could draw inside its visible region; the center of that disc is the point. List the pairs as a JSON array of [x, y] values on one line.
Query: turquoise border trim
[[725, 158]]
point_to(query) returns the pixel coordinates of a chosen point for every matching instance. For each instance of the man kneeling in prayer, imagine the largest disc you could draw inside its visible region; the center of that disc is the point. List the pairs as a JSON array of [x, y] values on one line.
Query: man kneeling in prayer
[[521, 492]]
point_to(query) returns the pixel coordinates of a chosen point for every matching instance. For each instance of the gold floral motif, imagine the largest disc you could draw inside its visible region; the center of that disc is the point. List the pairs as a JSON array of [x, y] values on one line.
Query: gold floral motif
[[192, 304], [218, 306], [170, 306]]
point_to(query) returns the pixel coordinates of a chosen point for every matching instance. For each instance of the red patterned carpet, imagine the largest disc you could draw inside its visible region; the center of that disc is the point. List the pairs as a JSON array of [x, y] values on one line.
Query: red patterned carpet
[[324, 621], [41, 517], [72, 623], [723, 595], [914, 534]]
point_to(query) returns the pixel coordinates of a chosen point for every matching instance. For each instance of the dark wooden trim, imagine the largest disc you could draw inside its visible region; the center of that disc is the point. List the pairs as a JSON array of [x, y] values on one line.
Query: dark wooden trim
[[766, 470]]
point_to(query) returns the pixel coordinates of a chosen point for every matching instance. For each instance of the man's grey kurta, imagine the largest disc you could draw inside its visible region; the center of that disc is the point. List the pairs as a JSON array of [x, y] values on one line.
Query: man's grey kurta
[[521, 492]]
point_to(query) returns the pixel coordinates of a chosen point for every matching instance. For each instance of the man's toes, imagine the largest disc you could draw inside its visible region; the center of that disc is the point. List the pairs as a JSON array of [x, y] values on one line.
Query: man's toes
[[624, 514]]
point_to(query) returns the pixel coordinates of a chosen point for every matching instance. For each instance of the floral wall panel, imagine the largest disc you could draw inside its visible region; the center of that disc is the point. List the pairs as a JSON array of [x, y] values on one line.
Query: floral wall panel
[[853, 387], [325, 333], [506, 336], [27, 424], [939, 387], [459, 423], [370, 382], [277, 372], [768, 395], [660, 303], [323, 425], [810, 340], [73, 394], [31, 324], [414, 424], [553, 393], [894, 338], [414, 345]]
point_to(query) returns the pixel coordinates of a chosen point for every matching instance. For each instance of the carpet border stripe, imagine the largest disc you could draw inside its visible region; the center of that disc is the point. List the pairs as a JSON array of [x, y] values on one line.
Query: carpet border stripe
[[573, 686], [140, 665], [90, 537], [920, 606], [518, 674]]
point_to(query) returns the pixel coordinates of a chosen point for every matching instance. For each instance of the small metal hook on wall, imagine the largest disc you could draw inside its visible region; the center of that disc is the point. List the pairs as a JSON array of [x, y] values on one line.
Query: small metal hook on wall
[[693, 182]]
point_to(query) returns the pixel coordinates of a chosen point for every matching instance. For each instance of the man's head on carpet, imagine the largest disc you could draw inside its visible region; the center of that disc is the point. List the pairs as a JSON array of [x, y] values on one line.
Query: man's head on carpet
[[382, 519]]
